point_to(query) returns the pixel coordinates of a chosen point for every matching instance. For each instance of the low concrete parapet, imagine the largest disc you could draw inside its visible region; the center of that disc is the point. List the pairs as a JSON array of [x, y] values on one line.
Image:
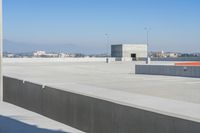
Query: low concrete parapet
[[176, 59], [168, 70], [64, 60], [90, 114]]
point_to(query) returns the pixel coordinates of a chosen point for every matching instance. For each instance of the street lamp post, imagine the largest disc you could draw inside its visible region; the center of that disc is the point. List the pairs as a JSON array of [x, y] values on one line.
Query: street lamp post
[[147, 37], [108, 43]]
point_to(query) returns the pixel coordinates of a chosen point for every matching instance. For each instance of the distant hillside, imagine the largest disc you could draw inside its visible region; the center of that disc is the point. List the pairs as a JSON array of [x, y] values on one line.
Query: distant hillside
[[16, 47]]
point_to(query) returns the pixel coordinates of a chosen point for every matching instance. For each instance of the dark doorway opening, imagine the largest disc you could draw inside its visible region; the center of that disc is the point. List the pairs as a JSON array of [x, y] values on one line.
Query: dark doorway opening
[[133, 56]]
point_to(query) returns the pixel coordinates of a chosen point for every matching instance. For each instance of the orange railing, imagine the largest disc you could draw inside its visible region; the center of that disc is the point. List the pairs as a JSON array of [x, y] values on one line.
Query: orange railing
[[187, 64]]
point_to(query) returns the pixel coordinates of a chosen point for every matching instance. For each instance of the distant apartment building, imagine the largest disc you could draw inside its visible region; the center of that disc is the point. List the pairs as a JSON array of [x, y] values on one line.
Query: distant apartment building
[[127, 52], [171, 55], [43, 54], [10, 55], [39, 53], [63, 55], [163, 54]]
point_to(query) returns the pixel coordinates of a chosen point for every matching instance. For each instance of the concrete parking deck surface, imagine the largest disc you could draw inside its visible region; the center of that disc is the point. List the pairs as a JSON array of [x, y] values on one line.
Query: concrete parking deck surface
[[117, 76], [14, 119], [116, 81]]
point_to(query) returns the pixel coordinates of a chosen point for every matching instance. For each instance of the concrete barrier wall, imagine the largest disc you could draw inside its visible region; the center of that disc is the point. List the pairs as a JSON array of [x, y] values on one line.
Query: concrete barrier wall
[[172, 59], [36, 60], [184, 71], [162, 59], [177, 59], [90, 114], [26, 95], [92, 59]]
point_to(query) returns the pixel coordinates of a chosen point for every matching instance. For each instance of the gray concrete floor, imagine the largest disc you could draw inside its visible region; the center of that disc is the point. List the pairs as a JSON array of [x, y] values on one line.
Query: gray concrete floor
[[116, 76], [14, 119]]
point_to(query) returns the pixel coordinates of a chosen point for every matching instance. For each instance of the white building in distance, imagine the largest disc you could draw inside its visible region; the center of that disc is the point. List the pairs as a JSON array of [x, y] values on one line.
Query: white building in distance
[[39, 53], [128, 52], [43, 54]]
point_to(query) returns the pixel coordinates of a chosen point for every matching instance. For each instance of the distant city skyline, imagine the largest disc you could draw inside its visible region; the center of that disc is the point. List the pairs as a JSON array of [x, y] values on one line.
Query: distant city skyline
[[81, 25]]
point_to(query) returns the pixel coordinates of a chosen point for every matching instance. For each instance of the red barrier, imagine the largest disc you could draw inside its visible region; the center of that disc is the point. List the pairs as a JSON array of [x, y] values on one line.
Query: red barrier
[[187, 64]]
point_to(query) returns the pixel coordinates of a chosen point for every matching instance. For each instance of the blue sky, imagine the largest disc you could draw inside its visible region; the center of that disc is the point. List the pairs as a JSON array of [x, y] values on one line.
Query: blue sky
[[175, 24]]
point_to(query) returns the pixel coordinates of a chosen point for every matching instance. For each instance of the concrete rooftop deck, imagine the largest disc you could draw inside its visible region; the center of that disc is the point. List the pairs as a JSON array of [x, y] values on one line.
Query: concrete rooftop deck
[[116, 82], [14, 119]]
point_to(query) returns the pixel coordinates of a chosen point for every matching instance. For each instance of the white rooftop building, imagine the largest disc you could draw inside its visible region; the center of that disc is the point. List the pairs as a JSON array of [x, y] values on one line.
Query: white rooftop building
[[129, 51]]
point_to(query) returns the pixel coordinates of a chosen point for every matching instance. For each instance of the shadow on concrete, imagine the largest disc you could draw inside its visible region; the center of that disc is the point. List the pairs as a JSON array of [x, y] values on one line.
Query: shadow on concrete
[[8, 125]]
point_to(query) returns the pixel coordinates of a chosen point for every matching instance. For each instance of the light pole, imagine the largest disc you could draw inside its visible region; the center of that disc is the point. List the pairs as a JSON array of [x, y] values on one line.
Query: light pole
[[147, 37], [1, 54], [108, 43]]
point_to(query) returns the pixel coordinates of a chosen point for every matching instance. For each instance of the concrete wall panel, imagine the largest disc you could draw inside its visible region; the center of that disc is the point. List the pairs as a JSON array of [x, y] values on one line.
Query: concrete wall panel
[[58, 105], [188, 71], [89, 114], [153, 123], [27, 95], [176, 59], [116, 51], [140, 50], [30, 96], [69, 108], [11, 90], [82, 114], [103, 117]]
